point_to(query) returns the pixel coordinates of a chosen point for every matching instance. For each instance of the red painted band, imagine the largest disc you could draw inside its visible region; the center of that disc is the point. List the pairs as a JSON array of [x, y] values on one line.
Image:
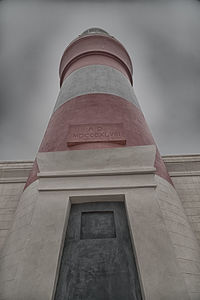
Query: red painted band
[[95, 44], [98, 108], [95, 58]]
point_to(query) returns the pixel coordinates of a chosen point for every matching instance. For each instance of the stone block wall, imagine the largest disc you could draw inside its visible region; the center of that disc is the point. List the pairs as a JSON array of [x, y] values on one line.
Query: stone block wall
[[185, 174], [181, 234], [13, 176], [183, 169], [12, 254], [181, 216]]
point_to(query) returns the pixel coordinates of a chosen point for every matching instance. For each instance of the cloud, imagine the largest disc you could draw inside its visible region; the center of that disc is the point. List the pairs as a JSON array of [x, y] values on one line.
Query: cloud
[[162, 38]]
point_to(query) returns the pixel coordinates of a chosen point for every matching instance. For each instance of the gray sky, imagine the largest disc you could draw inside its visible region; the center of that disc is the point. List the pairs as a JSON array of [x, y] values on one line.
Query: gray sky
[[162, 38]]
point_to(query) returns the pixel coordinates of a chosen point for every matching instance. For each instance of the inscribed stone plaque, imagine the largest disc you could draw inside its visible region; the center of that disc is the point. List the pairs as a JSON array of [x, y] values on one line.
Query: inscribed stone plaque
[[97, 225], [91, 133]]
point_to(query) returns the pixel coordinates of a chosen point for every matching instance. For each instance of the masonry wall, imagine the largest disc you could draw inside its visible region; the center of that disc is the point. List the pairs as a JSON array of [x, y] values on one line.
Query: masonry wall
[[181, 215], [183, 169], [182, 236], [185, 174], [12, 255], [29, 260], [13, 176]]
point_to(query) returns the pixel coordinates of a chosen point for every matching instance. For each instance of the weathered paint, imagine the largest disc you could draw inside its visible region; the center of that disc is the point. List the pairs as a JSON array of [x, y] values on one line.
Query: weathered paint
[[96, 79], [95, 59], [101, 132], [95, 73], [97, 261], [89, 45], [98, 108], [154, 214]]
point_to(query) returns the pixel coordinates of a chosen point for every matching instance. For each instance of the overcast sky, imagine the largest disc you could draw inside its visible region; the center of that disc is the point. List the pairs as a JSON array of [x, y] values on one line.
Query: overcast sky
[[162, 38]]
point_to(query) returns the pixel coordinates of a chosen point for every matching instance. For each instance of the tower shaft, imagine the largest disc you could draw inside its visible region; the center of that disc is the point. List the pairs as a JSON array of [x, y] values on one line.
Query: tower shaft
[[99, 217]]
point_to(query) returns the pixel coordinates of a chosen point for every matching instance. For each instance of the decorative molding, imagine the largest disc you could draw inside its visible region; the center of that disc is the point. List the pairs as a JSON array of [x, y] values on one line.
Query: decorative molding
[[181, 158], [116, 168], [81, 173], [13, 180], [17, 171], [184, 173], [54, 189]]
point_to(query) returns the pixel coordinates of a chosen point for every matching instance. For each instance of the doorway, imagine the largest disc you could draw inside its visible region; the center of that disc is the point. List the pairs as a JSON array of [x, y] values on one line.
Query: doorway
[[97, 261]]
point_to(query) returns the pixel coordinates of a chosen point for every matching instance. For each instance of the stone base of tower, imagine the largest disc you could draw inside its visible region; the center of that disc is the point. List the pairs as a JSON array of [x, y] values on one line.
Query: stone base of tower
[[30, 261]]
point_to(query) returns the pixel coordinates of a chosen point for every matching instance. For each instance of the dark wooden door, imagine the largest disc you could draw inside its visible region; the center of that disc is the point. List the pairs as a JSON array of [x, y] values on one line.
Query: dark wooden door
[[97, 261]]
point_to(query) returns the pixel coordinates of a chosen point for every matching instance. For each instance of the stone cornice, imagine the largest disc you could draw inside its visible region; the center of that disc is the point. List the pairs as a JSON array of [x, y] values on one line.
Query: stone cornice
[[113, 168], [14, 171], [177, 165], [183, 165]]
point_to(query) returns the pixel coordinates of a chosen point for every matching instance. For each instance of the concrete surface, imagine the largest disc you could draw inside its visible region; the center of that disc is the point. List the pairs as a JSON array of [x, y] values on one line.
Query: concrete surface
[[96, 79], [175, 220]]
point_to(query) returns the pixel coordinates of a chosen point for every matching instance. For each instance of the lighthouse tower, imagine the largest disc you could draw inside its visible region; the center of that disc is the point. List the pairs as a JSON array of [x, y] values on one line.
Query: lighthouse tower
[[99, 202]]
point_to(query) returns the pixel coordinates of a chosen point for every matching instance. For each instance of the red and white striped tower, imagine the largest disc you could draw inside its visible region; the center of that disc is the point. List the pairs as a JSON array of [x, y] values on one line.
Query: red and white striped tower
[[96, 88], [97, 109]]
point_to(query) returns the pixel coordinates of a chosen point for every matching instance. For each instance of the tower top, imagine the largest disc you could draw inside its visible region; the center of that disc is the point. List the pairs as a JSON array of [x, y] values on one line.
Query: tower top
[[94, 30], [95, 46]]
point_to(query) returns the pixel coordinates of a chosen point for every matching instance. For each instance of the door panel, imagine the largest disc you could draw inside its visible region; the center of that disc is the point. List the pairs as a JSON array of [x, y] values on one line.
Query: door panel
[[97, 261]]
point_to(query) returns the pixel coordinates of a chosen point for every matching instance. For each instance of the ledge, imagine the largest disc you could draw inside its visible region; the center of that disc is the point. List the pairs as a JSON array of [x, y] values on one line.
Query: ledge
[[177, 165], [96, 173]]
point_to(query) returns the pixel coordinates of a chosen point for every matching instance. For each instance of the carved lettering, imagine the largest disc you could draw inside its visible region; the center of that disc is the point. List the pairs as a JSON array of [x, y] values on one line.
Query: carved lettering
[[91, 133]]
